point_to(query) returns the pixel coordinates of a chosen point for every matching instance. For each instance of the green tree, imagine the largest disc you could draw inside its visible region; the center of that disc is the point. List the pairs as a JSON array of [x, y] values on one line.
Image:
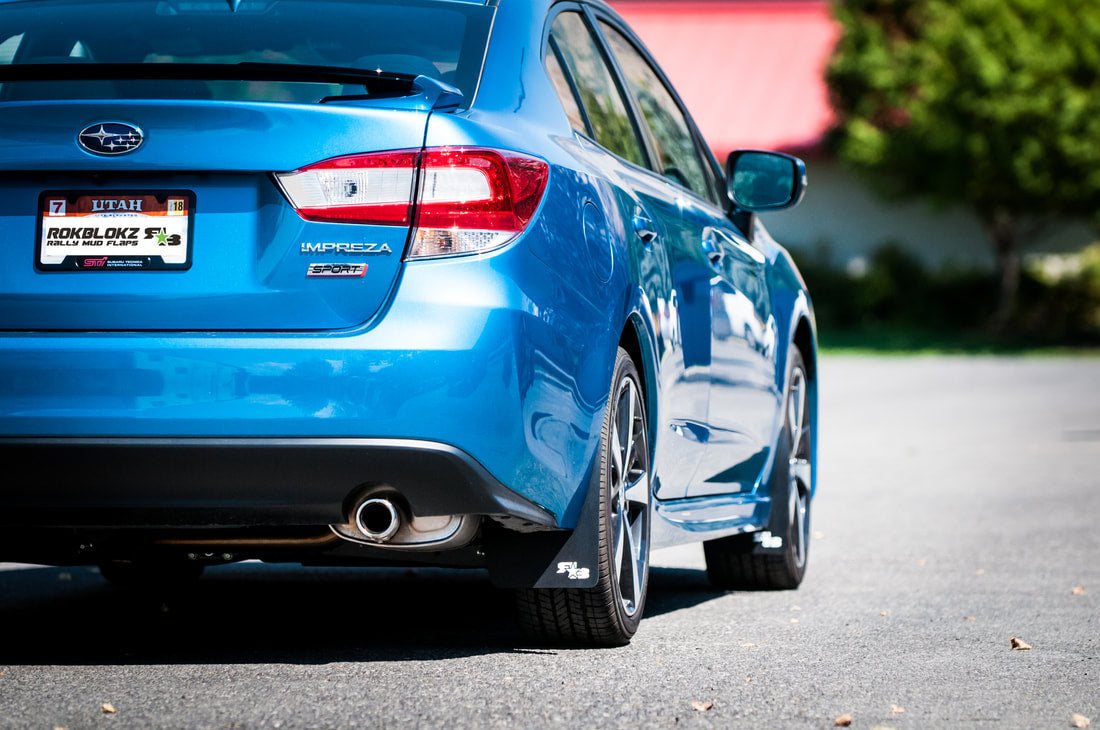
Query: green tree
[[994, 104]]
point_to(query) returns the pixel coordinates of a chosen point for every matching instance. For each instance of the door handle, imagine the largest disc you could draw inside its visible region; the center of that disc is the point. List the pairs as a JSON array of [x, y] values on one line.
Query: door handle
[[712, 249], [643, 227]]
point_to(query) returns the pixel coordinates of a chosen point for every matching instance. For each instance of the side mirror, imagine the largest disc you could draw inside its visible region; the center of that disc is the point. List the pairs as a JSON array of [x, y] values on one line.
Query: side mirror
[[761, 181]]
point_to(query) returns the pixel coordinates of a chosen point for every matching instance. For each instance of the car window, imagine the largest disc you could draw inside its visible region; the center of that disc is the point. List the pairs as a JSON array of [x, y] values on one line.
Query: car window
[[440, 39], [565, 93], [603, 101], [678, 155]]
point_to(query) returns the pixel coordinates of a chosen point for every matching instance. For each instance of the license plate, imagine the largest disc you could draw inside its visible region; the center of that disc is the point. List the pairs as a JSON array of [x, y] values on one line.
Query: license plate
[[114, 231]]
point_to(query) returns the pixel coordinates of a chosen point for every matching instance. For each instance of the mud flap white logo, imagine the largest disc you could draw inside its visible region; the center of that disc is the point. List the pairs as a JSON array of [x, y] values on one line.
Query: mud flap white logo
[[340, 270], [768, 541], [573, 571]]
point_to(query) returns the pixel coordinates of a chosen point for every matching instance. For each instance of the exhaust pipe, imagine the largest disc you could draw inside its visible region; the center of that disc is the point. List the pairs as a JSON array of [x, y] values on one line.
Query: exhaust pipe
[[377, 519]]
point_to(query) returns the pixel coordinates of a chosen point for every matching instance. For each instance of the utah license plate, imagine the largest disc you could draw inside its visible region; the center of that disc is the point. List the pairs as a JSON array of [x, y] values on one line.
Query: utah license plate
[[114, 231]]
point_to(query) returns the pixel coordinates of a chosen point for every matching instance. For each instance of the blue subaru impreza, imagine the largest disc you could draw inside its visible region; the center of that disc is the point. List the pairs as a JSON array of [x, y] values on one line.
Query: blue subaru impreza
[[359, 282]]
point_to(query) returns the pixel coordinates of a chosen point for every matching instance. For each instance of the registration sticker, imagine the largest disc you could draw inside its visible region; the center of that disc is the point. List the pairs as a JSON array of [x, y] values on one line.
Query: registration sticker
[[114, 231]]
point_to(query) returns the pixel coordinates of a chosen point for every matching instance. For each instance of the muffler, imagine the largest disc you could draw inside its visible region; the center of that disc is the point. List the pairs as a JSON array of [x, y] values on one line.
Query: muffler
[[377, 519]]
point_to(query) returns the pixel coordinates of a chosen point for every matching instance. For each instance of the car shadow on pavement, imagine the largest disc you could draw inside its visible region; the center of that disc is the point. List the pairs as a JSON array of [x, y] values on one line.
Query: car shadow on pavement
[[256, 613]]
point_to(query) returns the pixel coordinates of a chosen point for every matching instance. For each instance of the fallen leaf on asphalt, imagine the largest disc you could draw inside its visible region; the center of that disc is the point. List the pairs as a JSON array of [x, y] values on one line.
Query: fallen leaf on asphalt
[[701, 706], [1079, 721], [897, 710], [881, 613], [1017, 644], [844, 720], [108, 708], [1077, 590], [969, 618]]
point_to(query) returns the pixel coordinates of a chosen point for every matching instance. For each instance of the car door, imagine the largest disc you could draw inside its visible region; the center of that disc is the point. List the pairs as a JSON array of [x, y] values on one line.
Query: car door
[[667, 222], [720, 270], [743, 393]]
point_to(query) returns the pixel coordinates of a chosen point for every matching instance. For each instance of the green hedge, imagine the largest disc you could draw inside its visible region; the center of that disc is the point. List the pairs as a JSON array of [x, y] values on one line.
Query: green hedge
[[891, 299]]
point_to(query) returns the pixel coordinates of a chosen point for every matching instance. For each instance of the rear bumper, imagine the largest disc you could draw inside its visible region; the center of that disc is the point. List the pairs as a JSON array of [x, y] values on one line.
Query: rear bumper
[[213, 483], [220, 428]]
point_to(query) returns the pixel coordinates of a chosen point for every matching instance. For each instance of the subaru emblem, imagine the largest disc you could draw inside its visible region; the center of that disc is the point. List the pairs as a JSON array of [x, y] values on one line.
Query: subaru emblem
[[110, 138]]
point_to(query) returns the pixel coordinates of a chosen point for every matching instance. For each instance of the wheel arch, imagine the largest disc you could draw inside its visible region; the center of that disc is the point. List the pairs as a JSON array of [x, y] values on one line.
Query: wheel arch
[[805, 340], [637, 338]]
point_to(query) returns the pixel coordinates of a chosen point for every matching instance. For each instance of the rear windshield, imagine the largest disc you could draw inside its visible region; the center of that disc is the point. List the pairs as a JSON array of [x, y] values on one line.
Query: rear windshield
[[444, 40]]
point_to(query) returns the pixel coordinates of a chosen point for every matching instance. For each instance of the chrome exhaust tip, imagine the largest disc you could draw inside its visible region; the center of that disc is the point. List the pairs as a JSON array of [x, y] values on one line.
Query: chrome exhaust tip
[[377, 519]]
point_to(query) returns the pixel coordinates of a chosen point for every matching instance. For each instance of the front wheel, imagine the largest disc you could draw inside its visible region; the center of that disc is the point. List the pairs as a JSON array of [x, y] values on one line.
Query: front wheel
[[608, 613]]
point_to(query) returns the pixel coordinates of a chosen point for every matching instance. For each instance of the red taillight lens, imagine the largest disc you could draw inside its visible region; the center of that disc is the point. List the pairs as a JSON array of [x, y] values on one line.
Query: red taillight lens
[[470, 200]]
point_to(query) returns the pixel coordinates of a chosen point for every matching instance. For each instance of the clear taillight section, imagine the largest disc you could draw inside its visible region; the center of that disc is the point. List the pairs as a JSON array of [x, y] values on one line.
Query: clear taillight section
[[470, 200], [355, 189]]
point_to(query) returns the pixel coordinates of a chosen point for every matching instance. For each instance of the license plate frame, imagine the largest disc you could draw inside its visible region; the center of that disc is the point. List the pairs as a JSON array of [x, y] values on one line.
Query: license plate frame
[[127, 230]]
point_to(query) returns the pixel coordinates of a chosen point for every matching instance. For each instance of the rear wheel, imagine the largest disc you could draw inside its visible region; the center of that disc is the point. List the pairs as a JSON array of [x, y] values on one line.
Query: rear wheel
[[608, 613], [740, 562]]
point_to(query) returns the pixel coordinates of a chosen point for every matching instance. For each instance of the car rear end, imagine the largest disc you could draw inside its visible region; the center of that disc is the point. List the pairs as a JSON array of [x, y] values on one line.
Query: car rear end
[[238, 314]]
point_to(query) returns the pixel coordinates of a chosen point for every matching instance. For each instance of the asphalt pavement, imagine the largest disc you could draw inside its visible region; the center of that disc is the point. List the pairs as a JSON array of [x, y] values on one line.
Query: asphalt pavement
[[957, 510]]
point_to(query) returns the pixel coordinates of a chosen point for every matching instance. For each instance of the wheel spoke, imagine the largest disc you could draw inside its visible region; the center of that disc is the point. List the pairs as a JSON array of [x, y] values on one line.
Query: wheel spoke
[[802, 471], [796, 407], [616, 454], [629, 588], [628, 418], [621, 533], [637, 492]]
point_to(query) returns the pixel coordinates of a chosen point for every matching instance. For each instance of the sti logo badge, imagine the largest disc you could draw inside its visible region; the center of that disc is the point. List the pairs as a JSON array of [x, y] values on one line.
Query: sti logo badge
[[337, 270]]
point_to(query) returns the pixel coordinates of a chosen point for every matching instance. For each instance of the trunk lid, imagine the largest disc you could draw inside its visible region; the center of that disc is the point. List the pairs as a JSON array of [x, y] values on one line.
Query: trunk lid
[[201, 189]]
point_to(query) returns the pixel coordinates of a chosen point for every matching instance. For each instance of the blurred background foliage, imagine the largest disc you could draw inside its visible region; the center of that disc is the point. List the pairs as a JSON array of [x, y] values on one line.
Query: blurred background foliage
[[892, 301], [993, 104]]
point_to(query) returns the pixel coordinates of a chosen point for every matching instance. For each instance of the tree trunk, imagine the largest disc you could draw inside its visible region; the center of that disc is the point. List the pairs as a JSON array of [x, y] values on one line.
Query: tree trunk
[[1002, 228]]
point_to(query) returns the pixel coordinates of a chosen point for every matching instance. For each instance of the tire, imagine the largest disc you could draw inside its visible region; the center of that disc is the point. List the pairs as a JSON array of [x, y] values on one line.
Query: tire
[[141, 575], [608, 613], [739, 562]]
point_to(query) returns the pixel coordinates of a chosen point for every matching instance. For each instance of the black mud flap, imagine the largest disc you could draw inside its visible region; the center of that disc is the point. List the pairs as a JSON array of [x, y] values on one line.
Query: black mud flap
[[773, 539], [560, 559]]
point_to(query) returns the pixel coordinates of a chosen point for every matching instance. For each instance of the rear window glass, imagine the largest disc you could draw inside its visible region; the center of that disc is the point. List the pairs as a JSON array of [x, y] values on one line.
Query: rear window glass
[[444, 40]]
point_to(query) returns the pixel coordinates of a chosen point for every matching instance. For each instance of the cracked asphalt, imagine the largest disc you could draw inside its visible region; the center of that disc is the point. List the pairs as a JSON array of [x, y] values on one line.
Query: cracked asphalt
[[957, 509]]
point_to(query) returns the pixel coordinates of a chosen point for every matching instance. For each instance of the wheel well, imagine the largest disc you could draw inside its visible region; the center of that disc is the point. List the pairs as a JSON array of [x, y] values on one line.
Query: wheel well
[[630, 342], [804, 339]]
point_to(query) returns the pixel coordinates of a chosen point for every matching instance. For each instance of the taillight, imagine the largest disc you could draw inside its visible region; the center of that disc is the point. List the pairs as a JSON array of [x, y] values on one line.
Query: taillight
[[470, 200], [355, 189]]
